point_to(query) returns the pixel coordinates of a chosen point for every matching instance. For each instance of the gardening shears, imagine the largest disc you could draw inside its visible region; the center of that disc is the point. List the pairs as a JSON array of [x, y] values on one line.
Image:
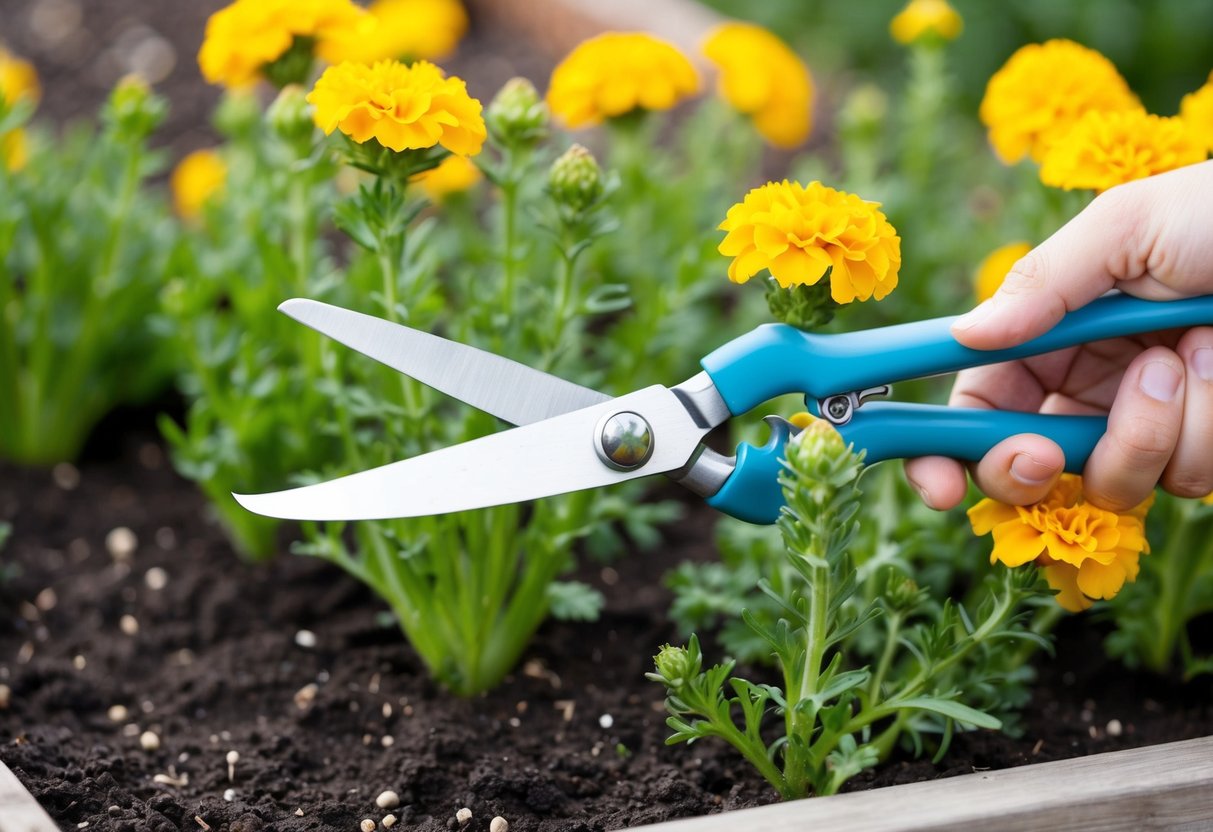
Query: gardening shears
[[571, 437]]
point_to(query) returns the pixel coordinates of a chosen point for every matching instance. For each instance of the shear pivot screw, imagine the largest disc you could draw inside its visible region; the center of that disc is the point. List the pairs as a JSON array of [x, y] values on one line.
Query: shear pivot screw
[[624, 441]]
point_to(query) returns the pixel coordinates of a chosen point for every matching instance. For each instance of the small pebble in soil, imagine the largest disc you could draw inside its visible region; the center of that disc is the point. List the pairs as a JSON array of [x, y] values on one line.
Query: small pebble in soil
[[387, 710], [1114, 728], [79, 662], [305, 639], [149, 741], [387, 800], [233, 757], [130, 730], [388, 821], [117, 713], [606, 720], [46, 600], [387, 741], [6, 696], [299, 812], [229, 795], [128, 624], [66, 476], [121, 544], [499, 824], [463, 815], [306, 695], [367, 825], [155, 578]]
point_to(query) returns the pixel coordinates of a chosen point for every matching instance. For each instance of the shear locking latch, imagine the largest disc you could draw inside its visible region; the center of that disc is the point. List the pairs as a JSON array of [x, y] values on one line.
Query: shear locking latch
[[838, 409]]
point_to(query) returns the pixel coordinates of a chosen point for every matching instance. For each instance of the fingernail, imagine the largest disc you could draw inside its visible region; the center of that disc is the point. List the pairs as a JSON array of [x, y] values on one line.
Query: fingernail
[[1159, 381], [1202, 360], [974, 316], [1028, 470]]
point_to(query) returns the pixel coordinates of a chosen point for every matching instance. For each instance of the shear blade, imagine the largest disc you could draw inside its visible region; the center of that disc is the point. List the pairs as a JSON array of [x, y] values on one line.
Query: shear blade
[[553, 456]]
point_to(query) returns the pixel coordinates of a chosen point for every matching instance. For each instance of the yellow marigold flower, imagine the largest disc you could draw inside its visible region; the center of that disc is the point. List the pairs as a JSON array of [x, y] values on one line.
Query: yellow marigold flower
[[14, 152], [196, 179], [1196, 110], [1087, 552], [1044, 88], [1106, 149], [454, 175], [764, 79], [801, 232], [412, 29], [402, 107], [617, 72], [17, 78], [994, 268], [926, 18], [245, 36]]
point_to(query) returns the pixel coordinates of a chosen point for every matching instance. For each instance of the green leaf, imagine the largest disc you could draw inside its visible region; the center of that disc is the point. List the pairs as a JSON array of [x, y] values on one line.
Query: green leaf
[[574, 601], [951, 709]]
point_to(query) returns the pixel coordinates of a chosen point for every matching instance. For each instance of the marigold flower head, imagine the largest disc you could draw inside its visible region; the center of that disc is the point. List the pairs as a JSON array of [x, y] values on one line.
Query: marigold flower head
[[244, 37], [1106, 149], [196, 180], [618, 72], [453, 175], [926, 18], [14, 150], [18, 80], [401, 107], [992, 270], [407, 29], [1042, 90], [1087, 552], [764, 79], [1196, 110], [802, 232]]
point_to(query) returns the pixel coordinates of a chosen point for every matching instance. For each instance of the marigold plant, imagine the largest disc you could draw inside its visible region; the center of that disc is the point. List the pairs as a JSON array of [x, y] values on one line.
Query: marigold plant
[[1196, 110], [1087, 553], [1103, 150], [248, 37], [922, 19], [454, 174], [18, 79], [615, 73], [409, 30], [763, 78], [197, 178], [1042, 90], [993, 269], [401, 107], [802, 233]]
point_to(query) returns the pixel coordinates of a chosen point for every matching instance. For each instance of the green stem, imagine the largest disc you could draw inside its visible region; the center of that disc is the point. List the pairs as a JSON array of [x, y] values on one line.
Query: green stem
[[886, 656]]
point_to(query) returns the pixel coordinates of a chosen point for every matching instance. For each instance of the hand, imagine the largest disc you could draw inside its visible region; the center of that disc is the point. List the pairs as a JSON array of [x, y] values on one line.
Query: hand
[[1152, 238]]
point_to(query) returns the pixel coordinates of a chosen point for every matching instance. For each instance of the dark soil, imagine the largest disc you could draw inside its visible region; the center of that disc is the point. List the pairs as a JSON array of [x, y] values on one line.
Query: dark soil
[[214, 666]]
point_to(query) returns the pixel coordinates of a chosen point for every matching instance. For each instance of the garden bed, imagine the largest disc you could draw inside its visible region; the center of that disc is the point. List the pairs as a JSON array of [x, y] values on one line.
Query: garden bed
[[212, 662]]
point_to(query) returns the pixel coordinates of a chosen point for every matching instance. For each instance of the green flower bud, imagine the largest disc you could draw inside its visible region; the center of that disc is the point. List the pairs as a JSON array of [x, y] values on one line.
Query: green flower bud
[[133, 111], [901, 593], [864, 110], [676, 665], [575, 180], [517, 115], [238, 113], [820, 465], [290, 116], [802, 306]]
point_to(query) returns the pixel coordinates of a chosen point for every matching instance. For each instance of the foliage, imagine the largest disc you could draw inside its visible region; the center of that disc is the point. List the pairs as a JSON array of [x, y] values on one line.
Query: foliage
[[84, 247]]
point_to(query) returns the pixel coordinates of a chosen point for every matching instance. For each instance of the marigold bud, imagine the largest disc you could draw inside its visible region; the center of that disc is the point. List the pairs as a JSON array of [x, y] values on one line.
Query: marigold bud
[[517, 115], [238, 113], [575, 179], [675, 665], [290, 116], [133, 110], [864, 110]]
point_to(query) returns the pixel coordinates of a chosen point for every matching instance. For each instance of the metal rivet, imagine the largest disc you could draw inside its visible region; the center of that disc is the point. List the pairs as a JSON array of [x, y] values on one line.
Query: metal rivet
[[624, 441]]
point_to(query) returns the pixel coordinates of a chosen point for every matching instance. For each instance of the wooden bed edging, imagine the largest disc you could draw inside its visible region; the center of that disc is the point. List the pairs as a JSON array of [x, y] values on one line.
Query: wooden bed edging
[[1166, 786]]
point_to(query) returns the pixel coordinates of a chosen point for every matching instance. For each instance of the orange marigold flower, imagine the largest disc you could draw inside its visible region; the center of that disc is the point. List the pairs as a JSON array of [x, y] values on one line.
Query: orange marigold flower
[[18, 79], [1087, 553], [196, 180], [401, 107], [1044, 88], [245, 36], [802, 232], [1196, 110], [994, 268], [616, 73], [453, 175], [408, 29], [764, 79], [1106, 149], [926, 18]]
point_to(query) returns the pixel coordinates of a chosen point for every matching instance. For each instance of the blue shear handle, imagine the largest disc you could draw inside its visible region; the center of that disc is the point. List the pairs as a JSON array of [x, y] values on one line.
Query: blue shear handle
[[776, 359]]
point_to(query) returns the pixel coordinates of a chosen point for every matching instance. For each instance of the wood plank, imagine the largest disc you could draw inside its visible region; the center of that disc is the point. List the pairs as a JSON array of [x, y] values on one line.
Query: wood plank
[[19, 812], [1166, 786]]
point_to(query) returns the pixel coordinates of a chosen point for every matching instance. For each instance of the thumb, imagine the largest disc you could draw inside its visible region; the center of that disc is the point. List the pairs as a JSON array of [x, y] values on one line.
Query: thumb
[[1089, 255]]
